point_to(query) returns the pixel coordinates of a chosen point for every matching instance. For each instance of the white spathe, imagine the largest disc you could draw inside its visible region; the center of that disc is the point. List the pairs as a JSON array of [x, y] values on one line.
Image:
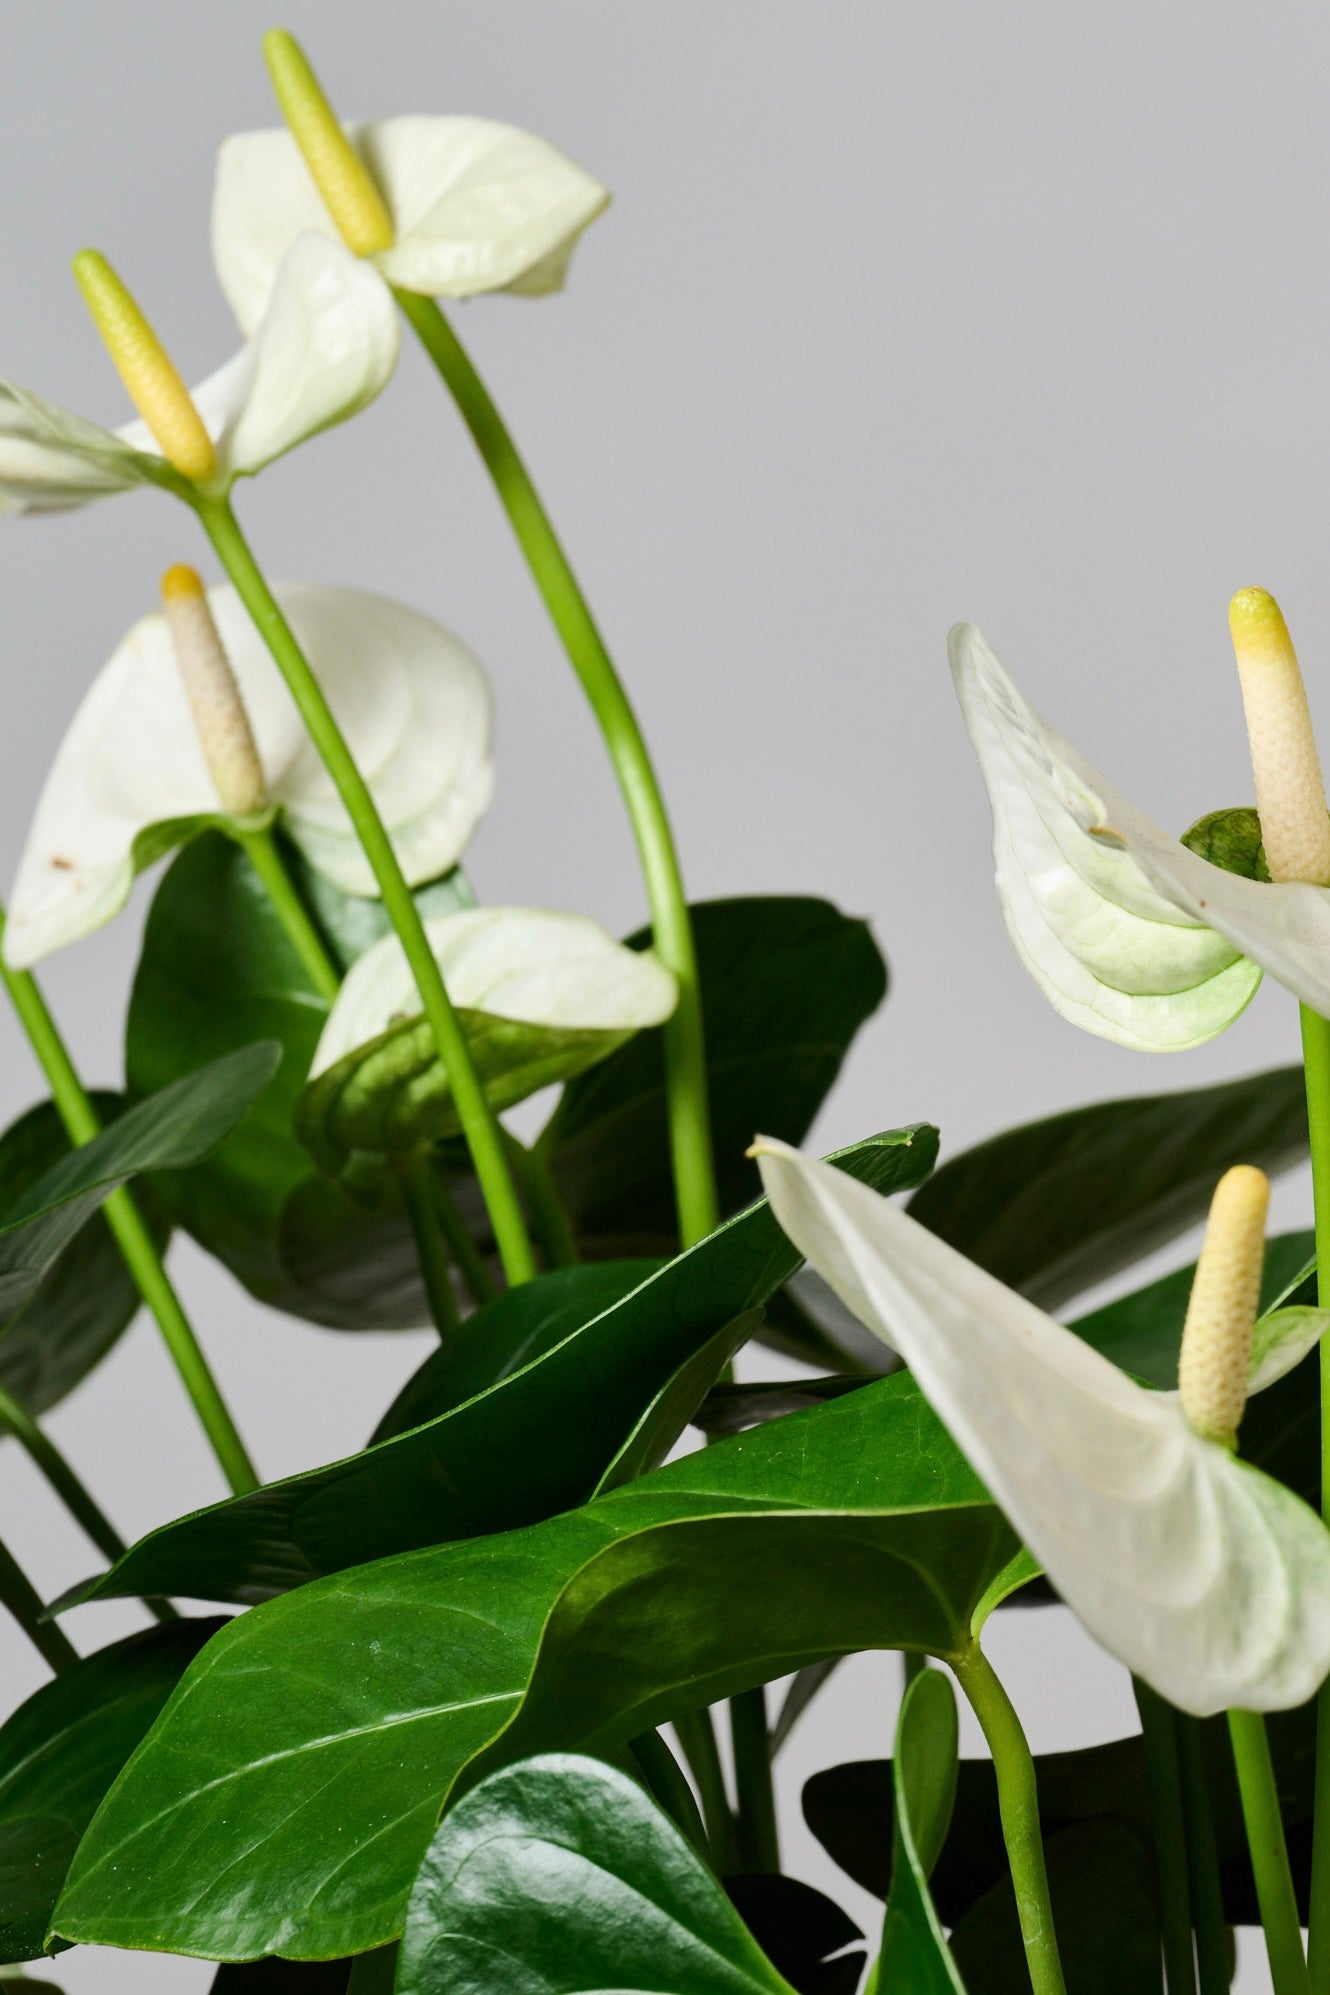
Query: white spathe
[[476, 206], [1125, 931], [324, 346], [411, 700], [538, 967], [1206, 1577]]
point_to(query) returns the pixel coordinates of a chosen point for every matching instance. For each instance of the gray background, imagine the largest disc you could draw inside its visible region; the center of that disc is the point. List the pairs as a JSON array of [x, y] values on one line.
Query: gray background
[[902, 314]]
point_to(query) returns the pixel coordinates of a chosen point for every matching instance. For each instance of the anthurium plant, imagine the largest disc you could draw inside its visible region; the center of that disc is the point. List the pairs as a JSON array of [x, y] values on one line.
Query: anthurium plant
[[496, 1705]]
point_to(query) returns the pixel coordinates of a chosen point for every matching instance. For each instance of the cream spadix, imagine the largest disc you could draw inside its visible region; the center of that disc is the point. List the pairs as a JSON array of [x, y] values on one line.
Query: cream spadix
[[1214, 1366], [215, 700], [131, 779], [1126, 931], [1207, 1578], [1290, 790]]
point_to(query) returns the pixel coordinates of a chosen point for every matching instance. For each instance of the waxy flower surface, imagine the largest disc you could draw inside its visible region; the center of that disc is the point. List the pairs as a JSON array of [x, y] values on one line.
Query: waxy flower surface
[[130, 780], [323, 346], [1126, 931], [474, 206], [1206, 1577]]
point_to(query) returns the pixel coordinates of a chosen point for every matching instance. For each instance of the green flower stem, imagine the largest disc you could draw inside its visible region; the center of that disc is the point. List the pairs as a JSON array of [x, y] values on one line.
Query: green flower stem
[[1316, 1068], [1269, 1853], [260, 847], [1213, 1941], [697, 1740], [467, 1257], [18, 1594], [759, 1844], [479, 1123], [418, 1188], [137, 1246], [1159, 1732], [1018, 1804], [685, 1050], [669, 1789], [552, 1226]]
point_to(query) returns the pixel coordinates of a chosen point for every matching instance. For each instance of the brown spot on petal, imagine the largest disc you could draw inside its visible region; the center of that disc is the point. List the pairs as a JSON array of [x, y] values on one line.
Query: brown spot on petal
[[62, 864]]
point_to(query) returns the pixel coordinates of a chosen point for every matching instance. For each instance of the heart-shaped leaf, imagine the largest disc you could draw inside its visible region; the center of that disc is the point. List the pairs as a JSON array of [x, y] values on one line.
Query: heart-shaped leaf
[[536, 1442], [558, 1877], [60, 1752], [286, 1797]]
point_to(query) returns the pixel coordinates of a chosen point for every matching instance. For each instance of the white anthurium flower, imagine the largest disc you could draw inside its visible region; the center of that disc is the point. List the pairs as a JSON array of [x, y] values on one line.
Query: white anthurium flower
[[323, 347], [1126, 931], [131, 778], [475, 206], [533, 966], [1206, 1577]]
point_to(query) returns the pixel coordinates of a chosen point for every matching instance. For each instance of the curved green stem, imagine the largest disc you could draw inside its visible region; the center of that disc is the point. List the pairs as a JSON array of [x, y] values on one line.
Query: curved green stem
[[1018, 1804], [754, 1788], [1269, 1853], [1316, 1069], [548, 1217], [260, 847], [1159, 1732], [685, 1050], [479, 1123], [669, 1789], [418, 1188], [137, 1246], [1213, 1941], [18, 1594], [467, 1257], [697, 1741]]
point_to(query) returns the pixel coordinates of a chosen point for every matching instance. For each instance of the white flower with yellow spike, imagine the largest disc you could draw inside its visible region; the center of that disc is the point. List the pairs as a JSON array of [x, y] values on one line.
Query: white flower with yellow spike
[[1125, 930], [1206, 1577]]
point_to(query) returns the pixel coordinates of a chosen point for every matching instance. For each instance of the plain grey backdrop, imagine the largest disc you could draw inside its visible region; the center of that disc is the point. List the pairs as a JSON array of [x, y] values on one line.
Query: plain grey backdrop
[[902, 314]]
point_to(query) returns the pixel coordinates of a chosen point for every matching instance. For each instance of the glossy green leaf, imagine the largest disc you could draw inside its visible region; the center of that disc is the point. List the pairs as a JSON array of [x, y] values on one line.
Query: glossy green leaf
[[536, 1442], [310, 1750], [171, 1130], [217, 970], [59, 1753], [915, 1954], [1055, 1206], [786, 984], [88, 1297], [663, 1421], [559, 1876]]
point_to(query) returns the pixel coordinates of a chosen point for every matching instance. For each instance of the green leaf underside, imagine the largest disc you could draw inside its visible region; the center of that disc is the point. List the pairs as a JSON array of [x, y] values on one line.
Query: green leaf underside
[[88, 1297], [1055, 1206], [58, 1755], [171, 1130], [537, 1442], [915, 1955], [391, 1096], [786, 983], [217, 970], [317, 1737], [560, 1874], [1230, 839]]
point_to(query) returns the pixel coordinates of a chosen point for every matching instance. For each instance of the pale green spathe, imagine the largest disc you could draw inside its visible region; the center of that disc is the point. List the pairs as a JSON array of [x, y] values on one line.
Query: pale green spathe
[[1204, 1576], [129, 780], [323, 347], [1125, 931]]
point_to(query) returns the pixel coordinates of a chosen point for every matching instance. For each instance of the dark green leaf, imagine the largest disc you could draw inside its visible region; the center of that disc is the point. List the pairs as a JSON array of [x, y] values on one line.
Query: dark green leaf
[[915, 1954], [1055, 1206], [310, 1751], [803, 1934], [1101, 1880], [60, 1752], [88, 1297], [786, 984], [1230, 839], [732, 1409], [216, 971], [664, 1420], [169, 1131], [537, 1442], [559, 1876], [282, 1977]]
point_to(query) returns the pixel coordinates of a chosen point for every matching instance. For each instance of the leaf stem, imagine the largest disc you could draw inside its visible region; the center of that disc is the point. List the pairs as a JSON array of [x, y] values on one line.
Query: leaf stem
[[1316, 1071], [697, 1741], [1018, 1804], [1159, 1732], [467, 1257], [759, 1844], [479, 1123], [18, 1594], [1269, 1853], [1213, 1944], [418, 1189], [548, 1216], [137, 1247], [261, 849], [669, 1789], [685, 1050]]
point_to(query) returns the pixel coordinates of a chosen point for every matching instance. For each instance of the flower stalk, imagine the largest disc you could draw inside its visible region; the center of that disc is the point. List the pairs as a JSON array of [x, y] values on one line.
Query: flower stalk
[[21, 1598]]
